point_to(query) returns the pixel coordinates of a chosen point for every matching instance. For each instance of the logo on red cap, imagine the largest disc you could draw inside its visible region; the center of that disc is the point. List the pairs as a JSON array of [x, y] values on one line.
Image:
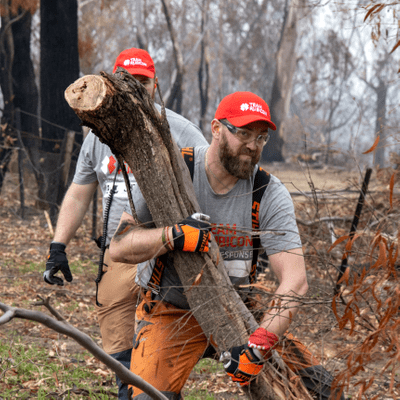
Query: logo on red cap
[[134, 61], [254, 107]]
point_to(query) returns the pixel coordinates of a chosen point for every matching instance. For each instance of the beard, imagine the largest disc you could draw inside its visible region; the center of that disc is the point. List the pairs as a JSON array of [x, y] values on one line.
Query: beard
[[241, 169]]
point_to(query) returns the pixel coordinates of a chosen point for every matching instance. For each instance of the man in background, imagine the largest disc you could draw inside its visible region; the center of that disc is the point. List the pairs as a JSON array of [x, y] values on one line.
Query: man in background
[[97, 166]]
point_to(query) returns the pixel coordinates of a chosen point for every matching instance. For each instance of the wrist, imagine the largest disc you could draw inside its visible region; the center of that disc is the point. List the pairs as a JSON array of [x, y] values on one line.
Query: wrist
[[170, 237], [166, 234], [57, 246]]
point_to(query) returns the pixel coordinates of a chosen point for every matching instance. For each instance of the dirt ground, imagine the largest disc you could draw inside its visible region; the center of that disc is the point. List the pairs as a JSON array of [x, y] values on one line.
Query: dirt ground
[[25, 241]]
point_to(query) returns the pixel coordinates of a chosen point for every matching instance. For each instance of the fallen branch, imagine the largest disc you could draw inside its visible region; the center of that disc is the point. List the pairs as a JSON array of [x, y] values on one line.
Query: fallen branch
[[84, 340]]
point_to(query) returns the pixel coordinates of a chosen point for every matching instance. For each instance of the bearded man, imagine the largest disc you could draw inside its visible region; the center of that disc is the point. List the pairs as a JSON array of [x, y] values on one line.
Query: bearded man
[[168, 340]]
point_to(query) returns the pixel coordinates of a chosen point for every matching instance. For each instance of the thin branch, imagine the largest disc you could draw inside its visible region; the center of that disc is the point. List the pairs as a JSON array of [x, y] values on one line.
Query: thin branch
[[323, 219], [52, 310], [85, 341]]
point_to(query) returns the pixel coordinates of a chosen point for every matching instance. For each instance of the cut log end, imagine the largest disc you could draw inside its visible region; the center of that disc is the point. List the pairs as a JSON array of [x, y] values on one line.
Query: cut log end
[[86, 93]]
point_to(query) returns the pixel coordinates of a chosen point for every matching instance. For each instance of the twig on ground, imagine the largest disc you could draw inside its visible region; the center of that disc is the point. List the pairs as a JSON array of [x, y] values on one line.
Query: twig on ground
[[46, 303], [85, 341]]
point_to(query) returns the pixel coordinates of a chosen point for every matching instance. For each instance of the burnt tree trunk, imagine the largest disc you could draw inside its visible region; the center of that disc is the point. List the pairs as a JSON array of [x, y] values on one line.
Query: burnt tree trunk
[[122, 115]]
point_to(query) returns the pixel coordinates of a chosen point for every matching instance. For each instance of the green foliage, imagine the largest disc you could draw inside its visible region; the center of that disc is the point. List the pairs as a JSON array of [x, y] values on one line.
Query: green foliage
[[208, 366], [30, 370], [199, 395]]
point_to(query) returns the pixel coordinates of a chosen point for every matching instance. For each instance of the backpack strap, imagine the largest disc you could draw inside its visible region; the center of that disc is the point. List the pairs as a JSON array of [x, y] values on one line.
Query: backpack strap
[[188, 156], [155, 279], [261, 182]]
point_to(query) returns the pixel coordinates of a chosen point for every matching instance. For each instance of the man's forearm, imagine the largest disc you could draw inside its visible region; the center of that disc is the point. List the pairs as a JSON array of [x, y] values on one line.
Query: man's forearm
[[134, 244], [290, 270], [73, 210], [279, 316]]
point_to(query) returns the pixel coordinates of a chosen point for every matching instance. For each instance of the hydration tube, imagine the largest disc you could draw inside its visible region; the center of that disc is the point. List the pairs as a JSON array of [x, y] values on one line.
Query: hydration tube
[[104, 236]]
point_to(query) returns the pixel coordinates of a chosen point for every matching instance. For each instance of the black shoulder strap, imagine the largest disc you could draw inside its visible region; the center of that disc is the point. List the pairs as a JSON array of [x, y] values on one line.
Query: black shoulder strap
[[261, 182], [155, 279], [188, 156]]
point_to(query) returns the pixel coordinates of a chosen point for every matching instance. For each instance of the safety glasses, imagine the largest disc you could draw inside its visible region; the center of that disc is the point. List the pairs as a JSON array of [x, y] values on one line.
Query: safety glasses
[[244, 135]]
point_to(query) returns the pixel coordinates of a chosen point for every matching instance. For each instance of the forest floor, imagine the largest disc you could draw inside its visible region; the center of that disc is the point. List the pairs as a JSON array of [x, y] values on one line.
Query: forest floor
[[341, 341]]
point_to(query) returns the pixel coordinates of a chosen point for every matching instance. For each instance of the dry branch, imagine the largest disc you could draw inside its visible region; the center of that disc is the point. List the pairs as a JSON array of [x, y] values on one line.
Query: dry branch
[[121, 113], [84, 340]]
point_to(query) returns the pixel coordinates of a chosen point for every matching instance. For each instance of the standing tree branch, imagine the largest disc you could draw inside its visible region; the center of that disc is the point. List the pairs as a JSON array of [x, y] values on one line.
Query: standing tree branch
[[174, 99]]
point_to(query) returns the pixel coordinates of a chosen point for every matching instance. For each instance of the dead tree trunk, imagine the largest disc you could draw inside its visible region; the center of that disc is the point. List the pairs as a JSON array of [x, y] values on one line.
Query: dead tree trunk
[[282, 85], [122, 115]]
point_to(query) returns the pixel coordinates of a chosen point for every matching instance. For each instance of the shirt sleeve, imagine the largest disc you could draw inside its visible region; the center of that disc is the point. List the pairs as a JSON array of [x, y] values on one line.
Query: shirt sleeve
[[191, 136], [85, 172], [277, 215]]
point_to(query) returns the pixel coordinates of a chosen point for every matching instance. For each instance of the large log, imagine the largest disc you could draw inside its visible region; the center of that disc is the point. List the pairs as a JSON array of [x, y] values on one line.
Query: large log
[[121, 113]]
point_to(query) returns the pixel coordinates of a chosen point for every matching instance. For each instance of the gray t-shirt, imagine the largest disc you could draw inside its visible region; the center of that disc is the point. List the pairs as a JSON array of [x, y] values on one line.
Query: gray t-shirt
[[230, 216], [97, 163]]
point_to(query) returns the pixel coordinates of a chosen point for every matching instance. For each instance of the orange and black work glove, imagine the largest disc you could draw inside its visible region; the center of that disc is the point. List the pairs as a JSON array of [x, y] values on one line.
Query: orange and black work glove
[[57, 261], [192, 234], [242, 364]]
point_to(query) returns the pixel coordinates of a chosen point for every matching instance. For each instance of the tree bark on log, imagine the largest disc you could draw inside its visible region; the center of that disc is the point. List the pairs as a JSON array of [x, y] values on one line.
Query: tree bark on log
[[121, 113]]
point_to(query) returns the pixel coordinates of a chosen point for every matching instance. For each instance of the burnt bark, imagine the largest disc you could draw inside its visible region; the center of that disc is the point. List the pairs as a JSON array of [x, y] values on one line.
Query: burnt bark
[[17, 82], [59, 66], [122, 115]]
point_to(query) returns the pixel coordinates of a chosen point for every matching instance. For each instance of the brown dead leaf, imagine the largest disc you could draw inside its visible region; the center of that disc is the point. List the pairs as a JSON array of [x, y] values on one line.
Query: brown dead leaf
[[101, 372], [395, 47], [197, 280], [391, 186], [56, 379], [373, 146], [373, 10], [338, 241]]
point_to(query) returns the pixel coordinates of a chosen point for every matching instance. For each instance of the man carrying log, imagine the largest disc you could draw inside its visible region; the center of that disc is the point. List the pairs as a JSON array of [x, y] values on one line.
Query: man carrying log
[[117, 291], [236, 197]]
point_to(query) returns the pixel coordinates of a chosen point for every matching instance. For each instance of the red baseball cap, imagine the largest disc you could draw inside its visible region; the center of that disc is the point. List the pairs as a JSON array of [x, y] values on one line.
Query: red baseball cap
[[136, 62], [242, 108]]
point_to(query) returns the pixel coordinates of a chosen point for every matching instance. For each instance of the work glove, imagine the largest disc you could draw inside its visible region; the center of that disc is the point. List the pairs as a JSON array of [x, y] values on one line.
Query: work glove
[[57, 261], [263, 341], [243, 363], [192, 234]]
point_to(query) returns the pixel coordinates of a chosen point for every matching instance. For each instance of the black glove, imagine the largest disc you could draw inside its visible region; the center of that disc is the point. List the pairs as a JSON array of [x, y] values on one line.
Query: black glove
[[57, 261], [192, 234], [242, 364]]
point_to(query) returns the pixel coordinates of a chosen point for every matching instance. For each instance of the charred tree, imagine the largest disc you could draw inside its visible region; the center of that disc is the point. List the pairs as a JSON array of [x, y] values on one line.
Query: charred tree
[[121, 113], [59, 66], [17, 81]]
